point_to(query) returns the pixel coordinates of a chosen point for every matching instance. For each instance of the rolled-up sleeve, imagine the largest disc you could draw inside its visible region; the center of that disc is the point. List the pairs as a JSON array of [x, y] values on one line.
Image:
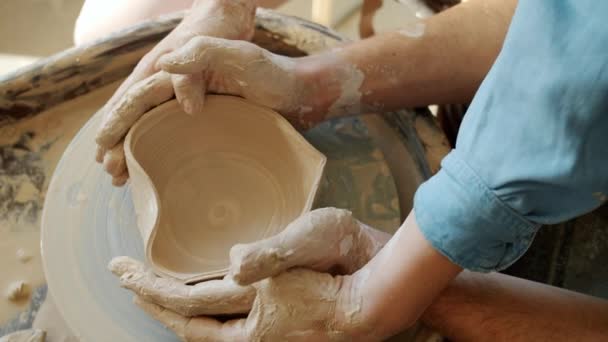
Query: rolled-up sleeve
[[533, 146], [464, 220]]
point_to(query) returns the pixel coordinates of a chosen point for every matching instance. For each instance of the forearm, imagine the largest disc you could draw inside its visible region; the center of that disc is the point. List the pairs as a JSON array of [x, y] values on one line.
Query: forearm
[[398, 284], [445, 64], [497, 307]]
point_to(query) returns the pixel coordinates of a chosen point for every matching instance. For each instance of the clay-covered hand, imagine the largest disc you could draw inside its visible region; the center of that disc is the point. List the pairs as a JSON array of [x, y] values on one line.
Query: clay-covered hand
[[281, 283], [240, 68], [232, 19], [324, 240], [206, 64]]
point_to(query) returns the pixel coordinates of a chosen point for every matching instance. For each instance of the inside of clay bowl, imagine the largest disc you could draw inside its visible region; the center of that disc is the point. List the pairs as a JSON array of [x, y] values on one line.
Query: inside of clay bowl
[[233, 173]]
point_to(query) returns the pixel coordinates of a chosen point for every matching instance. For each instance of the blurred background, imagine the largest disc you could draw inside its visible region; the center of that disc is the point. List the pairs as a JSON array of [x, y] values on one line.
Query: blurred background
[[31, 29]]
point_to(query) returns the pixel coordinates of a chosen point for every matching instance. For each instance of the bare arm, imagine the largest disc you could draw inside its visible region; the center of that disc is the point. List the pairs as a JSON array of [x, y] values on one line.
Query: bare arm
[[397, 285], [385, 72], [445, 64], [498, 307]]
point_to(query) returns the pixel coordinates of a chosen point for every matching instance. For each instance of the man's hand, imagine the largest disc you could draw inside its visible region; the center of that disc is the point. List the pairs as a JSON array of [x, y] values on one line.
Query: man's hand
[[219, 18], [205, 65], [324, 240], [267, 282]]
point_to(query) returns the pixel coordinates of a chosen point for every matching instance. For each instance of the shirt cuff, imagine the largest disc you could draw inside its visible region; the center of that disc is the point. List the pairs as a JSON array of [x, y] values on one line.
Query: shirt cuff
[[466, 222]]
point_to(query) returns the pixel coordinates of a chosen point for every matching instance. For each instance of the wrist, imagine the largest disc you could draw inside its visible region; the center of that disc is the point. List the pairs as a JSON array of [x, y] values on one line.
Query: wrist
[[366, 243], [400, 282], [350, 318], [307, 74]]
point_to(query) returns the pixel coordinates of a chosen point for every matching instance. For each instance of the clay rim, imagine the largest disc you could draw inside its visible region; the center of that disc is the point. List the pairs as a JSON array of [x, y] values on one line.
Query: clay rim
[[158, 114]]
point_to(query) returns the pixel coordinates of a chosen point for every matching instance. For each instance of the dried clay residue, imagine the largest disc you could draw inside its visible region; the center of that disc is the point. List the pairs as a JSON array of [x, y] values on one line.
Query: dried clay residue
[[22, 178], [29, 151], [350, 79], [18, 290], [413, 30]]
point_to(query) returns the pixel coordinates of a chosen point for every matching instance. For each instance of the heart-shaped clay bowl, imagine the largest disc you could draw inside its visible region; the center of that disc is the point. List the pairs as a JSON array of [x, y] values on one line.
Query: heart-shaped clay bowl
[[233, 173]]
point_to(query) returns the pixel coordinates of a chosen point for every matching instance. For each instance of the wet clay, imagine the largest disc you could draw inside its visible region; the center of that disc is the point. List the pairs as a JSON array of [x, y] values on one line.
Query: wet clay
[[233, 173], [288, 303], [38, 143], [18, 290], [205, 298], [16, 274], [49, 320], [324, 239]]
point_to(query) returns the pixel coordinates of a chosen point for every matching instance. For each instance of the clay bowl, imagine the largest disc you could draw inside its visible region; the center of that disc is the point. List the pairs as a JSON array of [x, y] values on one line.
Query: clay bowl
[[233, 173]]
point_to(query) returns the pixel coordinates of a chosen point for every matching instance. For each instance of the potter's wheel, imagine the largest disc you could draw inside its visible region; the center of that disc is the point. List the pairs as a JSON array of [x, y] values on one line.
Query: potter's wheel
[[86, 222]]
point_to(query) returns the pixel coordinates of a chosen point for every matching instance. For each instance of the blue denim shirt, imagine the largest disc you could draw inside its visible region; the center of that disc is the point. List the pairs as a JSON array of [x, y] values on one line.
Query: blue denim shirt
[[533, 146]]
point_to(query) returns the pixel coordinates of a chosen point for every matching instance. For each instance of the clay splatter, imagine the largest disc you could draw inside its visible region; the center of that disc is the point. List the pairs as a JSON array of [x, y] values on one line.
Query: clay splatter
[[22, 179]]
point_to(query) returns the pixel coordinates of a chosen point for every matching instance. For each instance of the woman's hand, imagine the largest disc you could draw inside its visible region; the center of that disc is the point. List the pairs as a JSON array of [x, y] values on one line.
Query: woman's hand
[[219, 18], [282, 300]]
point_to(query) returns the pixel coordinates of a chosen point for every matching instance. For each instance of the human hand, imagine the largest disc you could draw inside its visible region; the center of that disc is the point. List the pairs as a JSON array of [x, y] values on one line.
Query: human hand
[[290, 303], [220, 18], [204, 64], [324, 240]]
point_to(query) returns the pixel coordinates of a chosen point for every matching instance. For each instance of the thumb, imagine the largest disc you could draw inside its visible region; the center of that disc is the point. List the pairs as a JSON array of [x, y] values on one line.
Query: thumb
[[317, 240]]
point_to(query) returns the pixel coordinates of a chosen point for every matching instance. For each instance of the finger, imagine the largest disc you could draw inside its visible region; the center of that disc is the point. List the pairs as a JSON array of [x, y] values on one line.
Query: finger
[[99, 154], [120, 180], [318, 240], [177, 323], [188, 59], [141, 97], [114, 161], [124, 264], [189, 91], [200, 329], [145, 68], [214, 297], [196, 55]]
